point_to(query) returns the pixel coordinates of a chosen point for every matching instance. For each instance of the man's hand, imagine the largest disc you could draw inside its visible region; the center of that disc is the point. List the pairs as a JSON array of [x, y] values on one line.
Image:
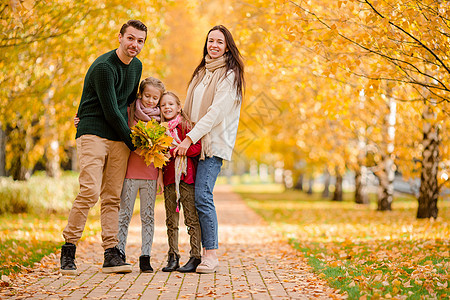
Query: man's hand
[[76, 120]]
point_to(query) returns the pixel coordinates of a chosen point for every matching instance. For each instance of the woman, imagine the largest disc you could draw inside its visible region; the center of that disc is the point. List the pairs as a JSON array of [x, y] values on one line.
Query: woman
[[213, 103]]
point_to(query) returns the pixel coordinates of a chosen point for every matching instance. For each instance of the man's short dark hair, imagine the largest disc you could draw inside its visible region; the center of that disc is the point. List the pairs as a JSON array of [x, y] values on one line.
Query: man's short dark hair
[[135, 24]]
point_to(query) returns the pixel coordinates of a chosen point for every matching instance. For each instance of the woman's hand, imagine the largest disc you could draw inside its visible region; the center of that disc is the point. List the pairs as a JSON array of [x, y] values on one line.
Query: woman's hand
[[183, 147]]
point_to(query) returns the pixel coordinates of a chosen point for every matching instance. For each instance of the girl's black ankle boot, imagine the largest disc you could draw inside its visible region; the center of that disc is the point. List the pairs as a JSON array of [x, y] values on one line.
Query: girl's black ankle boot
[[173, 263], [144, 264]]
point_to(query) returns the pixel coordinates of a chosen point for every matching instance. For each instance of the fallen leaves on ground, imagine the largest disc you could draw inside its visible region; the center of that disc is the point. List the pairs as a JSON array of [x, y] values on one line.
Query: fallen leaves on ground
[[362, 251]]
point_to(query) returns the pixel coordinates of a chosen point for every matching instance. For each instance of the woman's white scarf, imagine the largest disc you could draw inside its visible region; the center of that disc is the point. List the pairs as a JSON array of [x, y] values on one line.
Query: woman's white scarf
[[218, 68]]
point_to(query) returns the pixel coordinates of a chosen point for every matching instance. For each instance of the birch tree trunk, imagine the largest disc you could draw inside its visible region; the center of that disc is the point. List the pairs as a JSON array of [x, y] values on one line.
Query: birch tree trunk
[[326, 185], [337, 195], [52, 162], [361, 196], [429, 188], [387, 174], [310, 185], [385, 189]]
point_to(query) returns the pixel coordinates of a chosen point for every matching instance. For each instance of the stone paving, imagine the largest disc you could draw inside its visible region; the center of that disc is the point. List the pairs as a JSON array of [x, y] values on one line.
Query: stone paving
[[255, 263]]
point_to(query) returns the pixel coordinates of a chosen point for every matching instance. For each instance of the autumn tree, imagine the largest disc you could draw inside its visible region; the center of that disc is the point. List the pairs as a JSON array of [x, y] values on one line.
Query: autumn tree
[[391, 52], [47, 49], [181, 56], [410, 40]]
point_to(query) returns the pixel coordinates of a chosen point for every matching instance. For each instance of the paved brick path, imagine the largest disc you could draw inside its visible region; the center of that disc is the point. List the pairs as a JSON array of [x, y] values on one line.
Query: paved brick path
[[256, 263]]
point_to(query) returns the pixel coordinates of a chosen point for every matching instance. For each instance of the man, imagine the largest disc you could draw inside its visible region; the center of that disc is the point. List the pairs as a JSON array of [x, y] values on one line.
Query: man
[[103, 145]]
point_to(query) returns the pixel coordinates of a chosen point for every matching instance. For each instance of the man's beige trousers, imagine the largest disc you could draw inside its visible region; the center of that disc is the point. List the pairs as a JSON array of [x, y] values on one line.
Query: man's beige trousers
[[103, 165]]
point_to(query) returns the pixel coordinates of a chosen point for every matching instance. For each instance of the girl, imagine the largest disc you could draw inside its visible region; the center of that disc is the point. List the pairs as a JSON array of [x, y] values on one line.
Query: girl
[[179, 175], [140, 177], [213, 102]]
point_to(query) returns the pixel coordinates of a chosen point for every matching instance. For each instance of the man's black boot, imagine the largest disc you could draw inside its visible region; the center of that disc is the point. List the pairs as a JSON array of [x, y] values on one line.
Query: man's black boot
[[122, 255], [114, 263], [68, 266], [144, 264], [173, 263], [190, 266]]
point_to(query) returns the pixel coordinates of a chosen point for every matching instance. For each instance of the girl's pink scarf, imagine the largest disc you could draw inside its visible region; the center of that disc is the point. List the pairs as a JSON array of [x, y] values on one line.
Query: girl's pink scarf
[[146, 113], [173, 128]]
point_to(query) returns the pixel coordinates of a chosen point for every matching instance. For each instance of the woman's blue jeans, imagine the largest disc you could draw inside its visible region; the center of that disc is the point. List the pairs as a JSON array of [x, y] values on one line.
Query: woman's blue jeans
[[207, 172]]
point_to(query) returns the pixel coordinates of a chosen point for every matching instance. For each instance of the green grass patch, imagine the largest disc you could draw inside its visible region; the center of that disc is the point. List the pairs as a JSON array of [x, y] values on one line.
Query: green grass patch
[[24, 254], [26, 238], [359, 250]]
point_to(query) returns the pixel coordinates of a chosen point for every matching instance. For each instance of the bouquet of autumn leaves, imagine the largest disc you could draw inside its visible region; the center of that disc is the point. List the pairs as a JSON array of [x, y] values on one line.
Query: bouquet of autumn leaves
[[152, 140]]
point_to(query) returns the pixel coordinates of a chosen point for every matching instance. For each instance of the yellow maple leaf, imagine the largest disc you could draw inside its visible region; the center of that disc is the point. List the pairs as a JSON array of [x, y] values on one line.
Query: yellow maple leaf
[[159, 160]]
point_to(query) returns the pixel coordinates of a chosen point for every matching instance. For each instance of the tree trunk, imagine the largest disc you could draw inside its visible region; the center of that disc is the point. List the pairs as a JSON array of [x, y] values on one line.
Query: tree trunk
[[337, 195], [310, 185], [287, 179], [263, 173], [387, 174], [2, 152], [73, 158], [385, 189], [429, 188], [361, 196], [299, 183], [326, 185], [52, 158], [52, 162], [21, 143]]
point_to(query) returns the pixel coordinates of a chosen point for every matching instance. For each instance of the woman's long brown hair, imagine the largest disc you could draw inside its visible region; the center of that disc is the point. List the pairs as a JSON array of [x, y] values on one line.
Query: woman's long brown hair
[[233, 58]]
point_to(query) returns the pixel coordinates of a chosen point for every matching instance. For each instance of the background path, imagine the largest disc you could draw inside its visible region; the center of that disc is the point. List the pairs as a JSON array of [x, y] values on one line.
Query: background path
[[255, 263]]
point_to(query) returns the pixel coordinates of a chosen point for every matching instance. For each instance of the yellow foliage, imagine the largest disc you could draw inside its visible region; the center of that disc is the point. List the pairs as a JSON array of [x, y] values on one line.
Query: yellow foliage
[[152, 141], [46, 51]]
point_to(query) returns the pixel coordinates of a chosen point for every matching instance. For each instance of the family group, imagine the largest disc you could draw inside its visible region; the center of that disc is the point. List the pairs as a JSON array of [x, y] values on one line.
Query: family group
[[204, 133]]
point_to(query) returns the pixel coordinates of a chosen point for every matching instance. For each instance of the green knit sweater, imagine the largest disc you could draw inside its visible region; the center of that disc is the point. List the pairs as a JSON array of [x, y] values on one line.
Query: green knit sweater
[[109, 87]]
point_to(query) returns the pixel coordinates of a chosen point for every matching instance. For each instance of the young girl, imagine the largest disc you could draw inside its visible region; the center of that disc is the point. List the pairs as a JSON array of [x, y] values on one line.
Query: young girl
[[179, 175], [140, 177]]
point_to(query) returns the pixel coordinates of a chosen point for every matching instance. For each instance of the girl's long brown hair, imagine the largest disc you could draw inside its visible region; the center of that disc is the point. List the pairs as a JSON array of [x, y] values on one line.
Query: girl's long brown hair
[[186, 123], [232, 56]]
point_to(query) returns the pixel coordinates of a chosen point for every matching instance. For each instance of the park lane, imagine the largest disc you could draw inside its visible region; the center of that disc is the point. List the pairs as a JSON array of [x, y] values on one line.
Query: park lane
[[256, 263]]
